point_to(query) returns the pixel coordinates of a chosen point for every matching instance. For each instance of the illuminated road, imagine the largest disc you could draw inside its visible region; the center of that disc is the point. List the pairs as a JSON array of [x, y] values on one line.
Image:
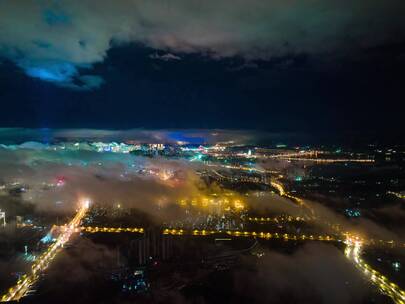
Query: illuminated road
[[311, 156], [352, 250], [353, 246], [328, 160], [397, 194], [264, 235], [274, 183], [280, 188], [277, 219], [242, 168], [20, 289], [111, 230], [384, 243], [234, 233], [353, 253]]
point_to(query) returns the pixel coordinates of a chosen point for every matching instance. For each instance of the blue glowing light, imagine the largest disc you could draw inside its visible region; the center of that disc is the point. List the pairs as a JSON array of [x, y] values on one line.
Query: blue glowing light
[[47, 239], [199, 156], [186, 137], [353, 213], [54, 71]]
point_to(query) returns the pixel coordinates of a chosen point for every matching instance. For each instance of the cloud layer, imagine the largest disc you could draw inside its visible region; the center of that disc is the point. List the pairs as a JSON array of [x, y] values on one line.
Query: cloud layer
[[60, 41], [186, 136]]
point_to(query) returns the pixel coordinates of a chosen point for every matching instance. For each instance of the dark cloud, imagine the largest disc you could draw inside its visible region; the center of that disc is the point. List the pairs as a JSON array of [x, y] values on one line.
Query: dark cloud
[[165, 57], [72, 35], [90, 82]]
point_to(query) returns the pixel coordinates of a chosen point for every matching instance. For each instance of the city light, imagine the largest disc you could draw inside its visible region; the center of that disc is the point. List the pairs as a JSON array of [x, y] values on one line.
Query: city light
[[221, 212], [42, 262], [194, 151], [111, 230], [353, 253]]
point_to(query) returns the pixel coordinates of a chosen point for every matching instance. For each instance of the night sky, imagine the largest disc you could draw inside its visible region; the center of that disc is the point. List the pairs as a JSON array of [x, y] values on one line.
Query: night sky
[[299, 66]]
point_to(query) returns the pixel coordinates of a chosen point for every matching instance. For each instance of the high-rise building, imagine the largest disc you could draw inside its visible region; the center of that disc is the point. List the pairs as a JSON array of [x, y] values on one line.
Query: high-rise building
[[152, 246], [2, 218]]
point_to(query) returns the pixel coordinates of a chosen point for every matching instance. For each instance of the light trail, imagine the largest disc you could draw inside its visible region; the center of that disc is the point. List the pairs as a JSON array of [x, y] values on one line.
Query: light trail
[[203, 232], [371, 242], [280, 188], [328, 160], [243, 168], [219, 174], [353, 253], [385, 243], [397, 194], [296, 154], [264, 235], [111, 230], [274, 183], [300, 156], [16, 292], [277, 219]]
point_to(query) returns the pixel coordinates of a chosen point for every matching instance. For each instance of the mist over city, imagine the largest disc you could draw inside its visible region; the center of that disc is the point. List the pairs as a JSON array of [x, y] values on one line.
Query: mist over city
[[202, 152]]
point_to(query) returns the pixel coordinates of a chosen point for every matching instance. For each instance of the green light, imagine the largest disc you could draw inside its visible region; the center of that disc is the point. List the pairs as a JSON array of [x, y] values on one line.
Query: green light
[[396, 265]]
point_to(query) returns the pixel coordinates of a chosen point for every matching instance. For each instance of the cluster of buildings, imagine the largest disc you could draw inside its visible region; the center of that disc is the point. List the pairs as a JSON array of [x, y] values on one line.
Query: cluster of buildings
[[114, 147]]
